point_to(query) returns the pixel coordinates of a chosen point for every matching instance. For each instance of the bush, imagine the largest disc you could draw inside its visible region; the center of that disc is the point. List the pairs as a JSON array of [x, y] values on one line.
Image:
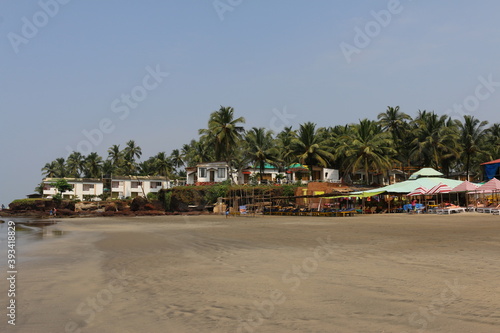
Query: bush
[[138, 204], [216, 191]]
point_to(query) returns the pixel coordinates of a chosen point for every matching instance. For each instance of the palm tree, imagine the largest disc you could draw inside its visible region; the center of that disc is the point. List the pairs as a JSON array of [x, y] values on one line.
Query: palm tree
[[471, 137], [197, 152], [50, 169], [115, 155], [163, 165], [132, 151], [176, 158], [393, 121], [60, 165], [311, 148], [224, 132], [75, 164], [366, 146], [260, 148], [93, 166], [284, 141], [492, 139], [436, 139], [108, 169]]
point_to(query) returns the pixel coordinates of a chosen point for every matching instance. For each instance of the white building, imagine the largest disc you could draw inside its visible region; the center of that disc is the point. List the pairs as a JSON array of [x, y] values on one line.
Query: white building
[[133, 186], [209, 173], [81, 188], [121, 187]]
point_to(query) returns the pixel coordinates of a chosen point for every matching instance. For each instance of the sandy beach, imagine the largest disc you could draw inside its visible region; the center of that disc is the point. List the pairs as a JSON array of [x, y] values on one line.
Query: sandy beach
[[371, 273]]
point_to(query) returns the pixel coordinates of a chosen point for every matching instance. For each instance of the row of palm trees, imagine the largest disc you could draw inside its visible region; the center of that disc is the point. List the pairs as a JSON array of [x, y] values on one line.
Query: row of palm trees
[[393, 140], [119, 162]]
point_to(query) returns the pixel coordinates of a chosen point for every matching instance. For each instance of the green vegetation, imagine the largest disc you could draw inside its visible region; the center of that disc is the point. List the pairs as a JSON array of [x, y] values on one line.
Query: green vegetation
[[394, 140]]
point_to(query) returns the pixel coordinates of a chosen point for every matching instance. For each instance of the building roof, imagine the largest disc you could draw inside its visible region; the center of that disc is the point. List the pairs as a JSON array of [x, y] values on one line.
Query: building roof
[[86, 180], [426, 177], [426, 172]]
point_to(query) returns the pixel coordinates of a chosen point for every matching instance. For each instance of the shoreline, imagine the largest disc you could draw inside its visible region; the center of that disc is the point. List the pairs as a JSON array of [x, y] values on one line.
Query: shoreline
[[266, 273]]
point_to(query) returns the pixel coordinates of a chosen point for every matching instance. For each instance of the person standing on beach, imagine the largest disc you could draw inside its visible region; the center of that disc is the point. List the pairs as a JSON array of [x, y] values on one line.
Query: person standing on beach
[[414, 205], [55, 212]]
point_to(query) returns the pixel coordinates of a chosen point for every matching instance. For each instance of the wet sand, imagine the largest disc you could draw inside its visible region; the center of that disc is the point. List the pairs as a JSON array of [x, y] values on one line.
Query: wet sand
[[372, 273]]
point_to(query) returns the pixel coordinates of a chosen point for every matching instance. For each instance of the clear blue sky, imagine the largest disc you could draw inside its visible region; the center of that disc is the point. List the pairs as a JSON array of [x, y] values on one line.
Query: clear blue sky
[[263, 58]]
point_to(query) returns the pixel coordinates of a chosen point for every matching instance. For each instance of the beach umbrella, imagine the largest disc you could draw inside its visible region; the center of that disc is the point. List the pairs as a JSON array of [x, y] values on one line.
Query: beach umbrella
[[439, 189], [418, 191], [492, 185], [466, 187]]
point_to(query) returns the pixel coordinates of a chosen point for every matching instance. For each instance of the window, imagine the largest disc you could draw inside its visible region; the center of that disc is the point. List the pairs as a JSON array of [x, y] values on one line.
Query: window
[[155, 184], [221, 173], [136, 184], [116, 184], [88, 187], [203, 172]]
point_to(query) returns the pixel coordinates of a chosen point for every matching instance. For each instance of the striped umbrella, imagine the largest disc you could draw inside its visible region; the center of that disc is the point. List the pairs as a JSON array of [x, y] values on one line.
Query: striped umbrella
[[439, 188], [493, 185], [418, 191], [466, 187]]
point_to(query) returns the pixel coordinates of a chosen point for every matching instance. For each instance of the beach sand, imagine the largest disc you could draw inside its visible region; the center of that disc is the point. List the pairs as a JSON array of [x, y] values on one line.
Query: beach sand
[[371, 273]]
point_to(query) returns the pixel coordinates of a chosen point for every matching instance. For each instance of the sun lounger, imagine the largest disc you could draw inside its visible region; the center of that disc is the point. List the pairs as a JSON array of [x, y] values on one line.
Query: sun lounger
[[485, 209], [449, 210]]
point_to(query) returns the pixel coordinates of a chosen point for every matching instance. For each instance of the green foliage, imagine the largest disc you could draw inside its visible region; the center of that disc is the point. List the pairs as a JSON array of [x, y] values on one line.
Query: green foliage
[[28, 201], [152, 196], [216, 191], [167, 200], [289, 189], [62, 185]]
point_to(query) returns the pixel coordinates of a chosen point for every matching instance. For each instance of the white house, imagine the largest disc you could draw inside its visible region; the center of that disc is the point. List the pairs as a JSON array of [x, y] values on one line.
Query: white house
[[121, 187], [303, 173], [82, 187], [209, 173], [133, 186]]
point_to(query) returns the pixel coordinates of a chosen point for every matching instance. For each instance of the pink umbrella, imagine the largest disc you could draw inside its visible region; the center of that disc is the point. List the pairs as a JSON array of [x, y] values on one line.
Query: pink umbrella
[[466, 187], [492, 185], [439, 188], [419, 191]]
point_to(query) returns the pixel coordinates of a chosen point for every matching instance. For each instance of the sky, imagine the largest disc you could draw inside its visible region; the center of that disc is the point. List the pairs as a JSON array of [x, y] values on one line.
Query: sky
[[85, 75]]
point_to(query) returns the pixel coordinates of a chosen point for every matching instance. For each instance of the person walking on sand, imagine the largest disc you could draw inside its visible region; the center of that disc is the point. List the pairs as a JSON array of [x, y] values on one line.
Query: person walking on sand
[[414, 205], [55, 212]]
